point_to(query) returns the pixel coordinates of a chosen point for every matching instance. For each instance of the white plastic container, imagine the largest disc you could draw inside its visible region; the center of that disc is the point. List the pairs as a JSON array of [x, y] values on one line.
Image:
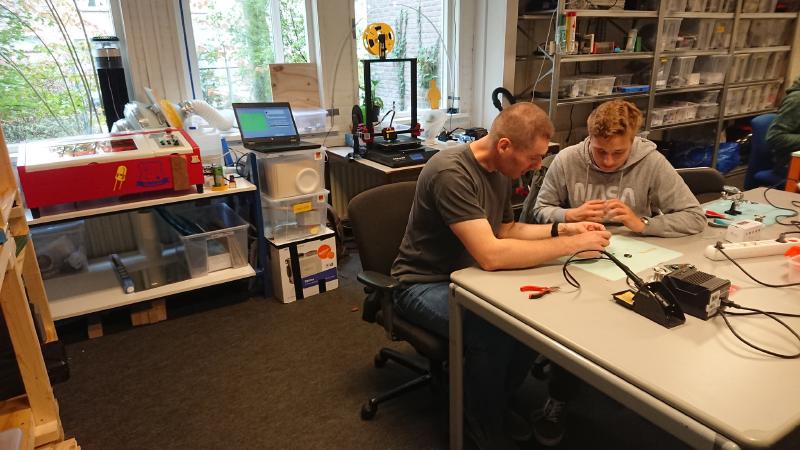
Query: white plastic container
[[209, 140], [289, 174], [222, 244], [309, 120], [680, 71], [60, 248], [793, 266], [295, 217], [572, 87]]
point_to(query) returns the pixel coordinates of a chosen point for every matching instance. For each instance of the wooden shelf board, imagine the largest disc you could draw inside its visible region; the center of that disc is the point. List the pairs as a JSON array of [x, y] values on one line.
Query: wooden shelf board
[[68, 300], [106, 206]]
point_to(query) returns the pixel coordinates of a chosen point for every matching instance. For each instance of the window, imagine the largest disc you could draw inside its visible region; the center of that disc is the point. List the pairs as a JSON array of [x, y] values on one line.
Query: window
[[48, 87], [232, 42], [420, 28]]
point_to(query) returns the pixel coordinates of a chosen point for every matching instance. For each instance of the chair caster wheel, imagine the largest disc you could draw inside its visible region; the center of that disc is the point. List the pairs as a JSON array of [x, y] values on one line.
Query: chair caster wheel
[[380, 360], [368, 411]]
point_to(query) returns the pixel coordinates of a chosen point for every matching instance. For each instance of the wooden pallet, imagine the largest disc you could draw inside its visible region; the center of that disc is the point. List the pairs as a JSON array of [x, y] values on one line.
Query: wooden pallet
[[36, 412]]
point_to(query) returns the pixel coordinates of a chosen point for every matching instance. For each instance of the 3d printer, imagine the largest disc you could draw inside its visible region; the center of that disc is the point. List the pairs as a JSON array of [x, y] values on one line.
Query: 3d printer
[[392, 147]]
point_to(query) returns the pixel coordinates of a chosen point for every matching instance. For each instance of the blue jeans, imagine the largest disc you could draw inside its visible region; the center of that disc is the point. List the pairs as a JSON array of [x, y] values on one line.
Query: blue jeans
[[495, 363]]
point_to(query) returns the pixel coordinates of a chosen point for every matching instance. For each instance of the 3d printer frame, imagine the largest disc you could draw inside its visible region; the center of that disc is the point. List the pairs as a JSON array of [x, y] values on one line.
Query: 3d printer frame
[[414, 129]]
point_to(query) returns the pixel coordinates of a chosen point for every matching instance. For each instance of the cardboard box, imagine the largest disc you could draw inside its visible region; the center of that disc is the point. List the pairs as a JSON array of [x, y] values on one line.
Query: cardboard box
[[304, 267]]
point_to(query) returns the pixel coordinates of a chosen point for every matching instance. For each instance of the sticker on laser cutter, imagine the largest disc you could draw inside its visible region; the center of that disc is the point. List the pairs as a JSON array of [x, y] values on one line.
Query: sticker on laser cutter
[[119, 178], [151, 173]]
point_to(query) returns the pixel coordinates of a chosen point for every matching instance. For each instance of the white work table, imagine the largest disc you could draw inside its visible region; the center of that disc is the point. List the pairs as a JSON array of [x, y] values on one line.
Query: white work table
[[696, 381]]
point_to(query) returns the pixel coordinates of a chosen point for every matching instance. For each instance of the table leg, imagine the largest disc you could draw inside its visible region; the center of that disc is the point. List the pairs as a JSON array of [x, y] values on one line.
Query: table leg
[[456, 367]]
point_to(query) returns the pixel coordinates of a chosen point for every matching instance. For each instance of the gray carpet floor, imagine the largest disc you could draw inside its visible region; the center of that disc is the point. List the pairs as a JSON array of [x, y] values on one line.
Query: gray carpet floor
[[229, 371]]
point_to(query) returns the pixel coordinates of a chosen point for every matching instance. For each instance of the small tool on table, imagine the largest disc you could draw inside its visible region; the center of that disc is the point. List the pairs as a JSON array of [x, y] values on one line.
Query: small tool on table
[[538, 291]]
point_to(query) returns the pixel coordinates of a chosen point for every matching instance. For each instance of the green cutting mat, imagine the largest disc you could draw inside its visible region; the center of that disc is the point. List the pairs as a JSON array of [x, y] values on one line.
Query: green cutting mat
[[638, 255]]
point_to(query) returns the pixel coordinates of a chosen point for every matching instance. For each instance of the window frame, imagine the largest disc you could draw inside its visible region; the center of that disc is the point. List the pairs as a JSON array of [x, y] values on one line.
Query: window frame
[[186, 31], [453, 14]]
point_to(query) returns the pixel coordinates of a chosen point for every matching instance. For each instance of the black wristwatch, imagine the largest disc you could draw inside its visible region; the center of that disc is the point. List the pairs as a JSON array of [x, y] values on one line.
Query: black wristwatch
[[554, 230]]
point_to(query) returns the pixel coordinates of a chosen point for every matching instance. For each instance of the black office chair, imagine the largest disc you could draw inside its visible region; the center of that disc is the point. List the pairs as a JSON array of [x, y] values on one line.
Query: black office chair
[[379, 217], [704, 182]]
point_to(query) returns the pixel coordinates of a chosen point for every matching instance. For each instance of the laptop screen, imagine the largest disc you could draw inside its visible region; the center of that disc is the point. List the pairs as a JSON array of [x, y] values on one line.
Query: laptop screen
[[265, 122]]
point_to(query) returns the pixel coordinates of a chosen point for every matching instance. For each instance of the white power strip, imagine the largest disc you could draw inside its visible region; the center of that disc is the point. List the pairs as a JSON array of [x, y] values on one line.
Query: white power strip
[[750, 249]]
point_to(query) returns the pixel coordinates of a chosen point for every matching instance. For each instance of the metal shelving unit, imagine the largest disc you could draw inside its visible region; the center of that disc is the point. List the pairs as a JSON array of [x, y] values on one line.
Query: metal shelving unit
[[553, 62]]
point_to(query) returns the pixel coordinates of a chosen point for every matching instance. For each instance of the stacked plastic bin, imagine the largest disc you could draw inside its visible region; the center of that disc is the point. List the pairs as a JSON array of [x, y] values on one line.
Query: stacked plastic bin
[[293, 195]]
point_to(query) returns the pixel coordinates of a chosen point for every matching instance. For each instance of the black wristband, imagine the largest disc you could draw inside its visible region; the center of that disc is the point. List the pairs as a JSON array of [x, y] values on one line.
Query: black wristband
[[554, 230]]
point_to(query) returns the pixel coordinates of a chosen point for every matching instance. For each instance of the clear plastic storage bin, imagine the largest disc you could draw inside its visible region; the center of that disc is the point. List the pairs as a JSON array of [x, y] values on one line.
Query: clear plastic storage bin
[[707, 110], [750, 6], [739, 67], [767, 6], [676, 5], [706, 97], [657, 117], [672, 27], [776, 68], [60, 248], [681, 68], [770, 95], [742, 33], [721, 36], [288, 174], [696, 5], [705, 30], [309, 120], [662, 72], [712, 68], [768, 32], [757, 67], [295, 217], [623, 79], [222, 243], [733, 101], [572, 87], [600, 85]]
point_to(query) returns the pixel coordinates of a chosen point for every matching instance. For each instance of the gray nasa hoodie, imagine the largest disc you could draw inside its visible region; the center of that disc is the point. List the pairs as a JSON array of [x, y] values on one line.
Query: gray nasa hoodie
[[647, 183]]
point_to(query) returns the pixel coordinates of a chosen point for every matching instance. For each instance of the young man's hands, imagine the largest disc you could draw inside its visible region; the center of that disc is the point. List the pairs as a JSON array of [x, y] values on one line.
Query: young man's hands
[[592, 210], [622, 213], [613, 210], [571, 229]]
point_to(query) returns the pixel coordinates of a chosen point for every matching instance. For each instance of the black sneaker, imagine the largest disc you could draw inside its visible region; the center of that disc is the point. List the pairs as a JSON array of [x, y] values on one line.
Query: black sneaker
[[548, 423]]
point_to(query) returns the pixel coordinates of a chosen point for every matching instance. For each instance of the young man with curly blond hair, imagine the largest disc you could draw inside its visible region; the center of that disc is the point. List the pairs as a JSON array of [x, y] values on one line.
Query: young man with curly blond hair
[[615, 176]]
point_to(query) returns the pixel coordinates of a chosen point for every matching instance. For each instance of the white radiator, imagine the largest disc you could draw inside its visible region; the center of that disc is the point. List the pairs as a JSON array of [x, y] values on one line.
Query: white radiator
[[347, 181]]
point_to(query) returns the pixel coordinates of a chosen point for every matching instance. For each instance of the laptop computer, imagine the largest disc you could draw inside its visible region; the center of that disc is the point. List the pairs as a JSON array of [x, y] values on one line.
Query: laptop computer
[[269, 127]]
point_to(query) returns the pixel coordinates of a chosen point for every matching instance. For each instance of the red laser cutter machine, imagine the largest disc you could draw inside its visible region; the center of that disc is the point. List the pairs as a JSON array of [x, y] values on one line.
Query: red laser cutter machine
[[99, 166]]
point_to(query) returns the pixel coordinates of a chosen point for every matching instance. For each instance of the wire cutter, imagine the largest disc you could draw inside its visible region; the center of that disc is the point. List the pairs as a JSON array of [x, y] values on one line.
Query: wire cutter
[[715, 215], [538, 291]]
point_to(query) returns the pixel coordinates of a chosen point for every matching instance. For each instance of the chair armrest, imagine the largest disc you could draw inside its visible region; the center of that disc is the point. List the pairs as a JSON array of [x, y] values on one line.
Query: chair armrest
[[385, 285], [377, 280]]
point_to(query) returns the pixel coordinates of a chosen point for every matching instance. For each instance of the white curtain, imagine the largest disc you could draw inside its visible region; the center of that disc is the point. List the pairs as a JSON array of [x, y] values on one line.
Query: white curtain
[[156, 52]]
